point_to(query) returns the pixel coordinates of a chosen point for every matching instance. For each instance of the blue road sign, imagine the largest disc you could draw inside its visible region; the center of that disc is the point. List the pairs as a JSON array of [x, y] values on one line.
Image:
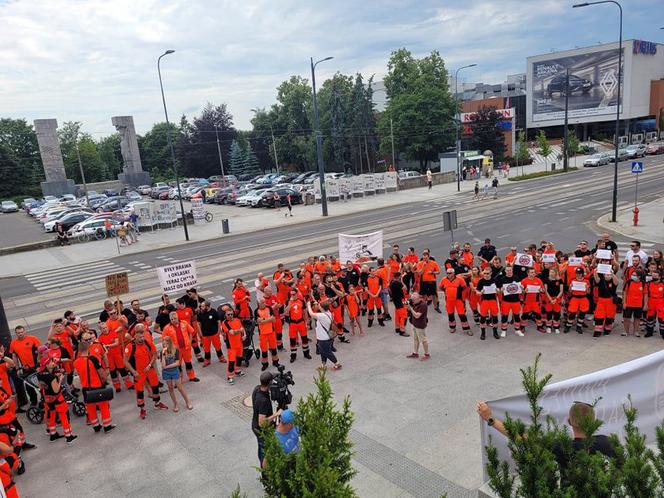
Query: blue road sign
[[637, 166]]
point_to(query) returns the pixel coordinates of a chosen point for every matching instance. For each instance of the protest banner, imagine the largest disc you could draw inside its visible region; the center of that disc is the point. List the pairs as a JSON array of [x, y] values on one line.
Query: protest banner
[[177, 277], [361, 248]]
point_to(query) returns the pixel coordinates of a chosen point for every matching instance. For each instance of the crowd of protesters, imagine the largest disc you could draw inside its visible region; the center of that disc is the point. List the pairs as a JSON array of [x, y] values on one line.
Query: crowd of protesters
[[538, 286]]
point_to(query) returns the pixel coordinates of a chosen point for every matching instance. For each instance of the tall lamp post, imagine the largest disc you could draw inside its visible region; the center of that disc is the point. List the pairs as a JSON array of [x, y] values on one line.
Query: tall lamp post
[[458, 125], [170, 145], [319, 138], [615, 159]]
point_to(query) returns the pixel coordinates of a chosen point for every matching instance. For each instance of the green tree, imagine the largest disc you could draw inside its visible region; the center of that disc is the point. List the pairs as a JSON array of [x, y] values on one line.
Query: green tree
[[323, 465], [21, 168], [486, 133], [420, 105], [522, 154], [154, 150], [263, 127], [573, 144], [334, 100], [109, 152], [72, 138], [236, 158], [250, 164], [544, 149]]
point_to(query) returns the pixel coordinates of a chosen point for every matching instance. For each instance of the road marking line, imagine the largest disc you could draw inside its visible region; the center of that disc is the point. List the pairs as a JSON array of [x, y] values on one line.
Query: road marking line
[[69, 269]]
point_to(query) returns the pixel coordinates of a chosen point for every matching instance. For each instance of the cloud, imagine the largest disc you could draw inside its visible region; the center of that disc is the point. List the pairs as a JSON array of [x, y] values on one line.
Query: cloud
[[93, 59]]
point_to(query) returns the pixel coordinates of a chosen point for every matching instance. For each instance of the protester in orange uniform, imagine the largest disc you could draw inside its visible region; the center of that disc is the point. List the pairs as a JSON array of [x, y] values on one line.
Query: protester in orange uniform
[[51, 382], [59, 332], [241, 298], [634, 296], [272, 302], [533, 288], [265, 319], [453, 287], [335, 265], [373, 287], [553, 300], [297, 328], [93, 376], [97, 349], [397, 291], [321, 267], [605, 308], [352, 302], [181, 333], [467, 258], [428, 271], [655, 291], [139, 359], [23, 350], [234, 332], [116, 367], [578, 304], [7, 465], [488, 292]]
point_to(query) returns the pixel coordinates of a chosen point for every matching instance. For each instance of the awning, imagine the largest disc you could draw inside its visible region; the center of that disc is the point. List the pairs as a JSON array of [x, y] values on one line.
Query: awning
[[473, 158]]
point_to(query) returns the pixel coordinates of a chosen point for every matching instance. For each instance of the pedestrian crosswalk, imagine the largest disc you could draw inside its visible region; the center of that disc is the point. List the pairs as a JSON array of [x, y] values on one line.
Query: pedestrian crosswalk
[[73, 275]]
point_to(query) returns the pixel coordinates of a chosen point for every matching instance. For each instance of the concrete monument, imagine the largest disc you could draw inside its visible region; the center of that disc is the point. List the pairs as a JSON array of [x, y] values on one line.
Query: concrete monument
[[54, 167], [132, 173]]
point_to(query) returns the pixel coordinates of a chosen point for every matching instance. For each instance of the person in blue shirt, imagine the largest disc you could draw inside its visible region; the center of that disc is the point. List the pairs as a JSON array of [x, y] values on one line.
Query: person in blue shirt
[[287, 434]]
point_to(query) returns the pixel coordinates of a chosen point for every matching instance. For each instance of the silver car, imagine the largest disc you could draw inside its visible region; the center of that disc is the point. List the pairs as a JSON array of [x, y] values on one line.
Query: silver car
[[8, 207], [636, 150], [595, 160], [622, 155]]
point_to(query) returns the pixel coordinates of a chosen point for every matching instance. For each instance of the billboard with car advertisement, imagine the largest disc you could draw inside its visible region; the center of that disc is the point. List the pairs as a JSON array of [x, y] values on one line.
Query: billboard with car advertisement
[[593, 86]]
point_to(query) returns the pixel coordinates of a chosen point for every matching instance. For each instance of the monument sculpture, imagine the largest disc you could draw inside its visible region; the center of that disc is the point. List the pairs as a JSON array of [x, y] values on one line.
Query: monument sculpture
[[54, 167], [132, 173]]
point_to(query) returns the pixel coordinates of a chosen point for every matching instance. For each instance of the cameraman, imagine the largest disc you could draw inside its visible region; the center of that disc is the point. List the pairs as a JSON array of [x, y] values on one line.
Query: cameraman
[[263, 413], [418, 318]]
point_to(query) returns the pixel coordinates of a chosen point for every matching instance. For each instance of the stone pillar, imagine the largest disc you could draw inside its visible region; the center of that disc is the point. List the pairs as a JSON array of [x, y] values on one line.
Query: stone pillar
[[54, 167], [132, 173]]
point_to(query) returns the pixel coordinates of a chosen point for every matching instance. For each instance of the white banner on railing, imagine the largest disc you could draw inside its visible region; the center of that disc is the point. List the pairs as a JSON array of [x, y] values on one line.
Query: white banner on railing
[[198, 210], [642, 379], [369, 184], [167, 212], [178, 277], [344, 185], [357, 186], [145, 213], [379, 179], [360, 248], [332, 188], [317, 189], [391, 180]]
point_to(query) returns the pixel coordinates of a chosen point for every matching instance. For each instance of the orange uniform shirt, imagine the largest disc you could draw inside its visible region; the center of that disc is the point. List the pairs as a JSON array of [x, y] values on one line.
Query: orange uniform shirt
[[453, 288], [139, 355], [181, 335], [634, 294], [235, 340], [533, 288], [384, 274], [26, 350], [428, 270]]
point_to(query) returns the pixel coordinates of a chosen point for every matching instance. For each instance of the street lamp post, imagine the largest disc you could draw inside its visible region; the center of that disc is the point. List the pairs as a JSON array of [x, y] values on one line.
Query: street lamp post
[[566, 123], [170, 145], [614, 208], [458, 125], [221, 159], [319, 138]]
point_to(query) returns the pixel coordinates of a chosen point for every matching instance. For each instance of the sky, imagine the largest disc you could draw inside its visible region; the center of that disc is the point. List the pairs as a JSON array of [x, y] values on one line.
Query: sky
[[88, 60]]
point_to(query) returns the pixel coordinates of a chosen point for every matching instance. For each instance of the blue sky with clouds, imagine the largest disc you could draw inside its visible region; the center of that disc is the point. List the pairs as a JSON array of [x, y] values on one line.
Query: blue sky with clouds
[[88, 60]]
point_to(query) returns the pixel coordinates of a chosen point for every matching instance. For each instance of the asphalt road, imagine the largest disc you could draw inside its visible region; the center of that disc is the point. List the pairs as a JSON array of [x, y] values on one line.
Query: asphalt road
[[560, 208], [17, 229]]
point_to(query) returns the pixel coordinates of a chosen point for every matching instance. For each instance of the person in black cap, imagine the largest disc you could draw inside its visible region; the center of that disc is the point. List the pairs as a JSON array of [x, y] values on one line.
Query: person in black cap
[[263, 412]]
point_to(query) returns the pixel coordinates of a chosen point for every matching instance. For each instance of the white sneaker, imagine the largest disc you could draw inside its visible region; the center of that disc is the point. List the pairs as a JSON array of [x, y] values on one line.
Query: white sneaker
[[557, 331], [503, 333], [519, 333], [548, 330]]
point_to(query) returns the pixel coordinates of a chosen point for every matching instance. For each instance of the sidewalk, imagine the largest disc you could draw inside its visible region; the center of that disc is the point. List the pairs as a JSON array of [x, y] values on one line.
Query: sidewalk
[[651, 222], [241, 220]]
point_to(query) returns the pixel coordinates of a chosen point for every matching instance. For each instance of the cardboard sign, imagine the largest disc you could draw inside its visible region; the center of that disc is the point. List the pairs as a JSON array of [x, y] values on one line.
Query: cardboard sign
[[548, 257], [489, 289], [512, 288], [603, 254], [116, 284], [579, 285], [604, 269], [523, 259], [177, 277], [575, 261]]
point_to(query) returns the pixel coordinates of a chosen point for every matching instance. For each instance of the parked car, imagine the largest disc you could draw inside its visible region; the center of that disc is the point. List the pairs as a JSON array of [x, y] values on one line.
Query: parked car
[[93, 225], [134, 196], [111, 193], [267, 200], [246, 199], [9, 207], [405, 173], [113, 204], [655, 148], [25, 203], [156, 191], [68, 220], [622, 155], [636, 150], [598, 159], [221, 195], [144, 189], [576, 84]]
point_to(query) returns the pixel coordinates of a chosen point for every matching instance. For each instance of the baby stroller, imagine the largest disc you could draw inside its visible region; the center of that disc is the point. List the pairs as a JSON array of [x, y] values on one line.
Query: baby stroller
[[35, 414], [248, 343]]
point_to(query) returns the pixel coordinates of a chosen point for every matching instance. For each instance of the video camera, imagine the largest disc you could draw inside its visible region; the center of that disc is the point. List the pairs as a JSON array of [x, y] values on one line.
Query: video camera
[[279, 391]]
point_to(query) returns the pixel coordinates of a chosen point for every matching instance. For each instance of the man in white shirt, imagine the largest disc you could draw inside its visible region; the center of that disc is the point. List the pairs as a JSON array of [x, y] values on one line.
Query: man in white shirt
[[259, 286], [323, 335], [635, 250]]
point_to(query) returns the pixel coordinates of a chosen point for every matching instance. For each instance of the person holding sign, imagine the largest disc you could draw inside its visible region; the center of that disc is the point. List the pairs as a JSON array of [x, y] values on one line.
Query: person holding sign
[[605, 307], [635, 297], [553, 295], [487, 290], [510, 291], [578, 304], [533, 289]]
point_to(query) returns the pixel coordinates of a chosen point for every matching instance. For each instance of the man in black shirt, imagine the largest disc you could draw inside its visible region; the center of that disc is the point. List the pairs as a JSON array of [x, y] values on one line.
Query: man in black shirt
[[207, 320], [162, 319], [609, 244], [487, 252], [454, 263], [510, 289], [263, 412], [397, 290], [582, 250]]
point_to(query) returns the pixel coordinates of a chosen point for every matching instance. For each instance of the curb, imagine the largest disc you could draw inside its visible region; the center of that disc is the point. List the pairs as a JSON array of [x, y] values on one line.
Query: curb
[[603, 223]]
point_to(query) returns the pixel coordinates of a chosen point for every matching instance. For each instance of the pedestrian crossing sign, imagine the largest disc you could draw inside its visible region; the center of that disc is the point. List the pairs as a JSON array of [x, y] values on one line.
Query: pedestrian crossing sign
[[637, 167]]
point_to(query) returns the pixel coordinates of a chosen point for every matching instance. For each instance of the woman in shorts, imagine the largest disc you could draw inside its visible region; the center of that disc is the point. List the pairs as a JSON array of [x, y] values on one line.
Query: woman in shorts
[[170, 372]]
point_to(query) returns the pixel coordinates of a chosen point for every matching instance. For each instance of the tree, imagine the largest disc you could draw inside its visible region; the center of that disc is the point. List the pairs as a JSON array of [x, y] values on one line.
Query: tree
[[486, 132], [154, 150], [573, 143], [522, 154], [111, 156], [323, 466], [236, 158], [336, 117], [21, 168], [544, 149], [72, 138], [250, 164], [420, 105]]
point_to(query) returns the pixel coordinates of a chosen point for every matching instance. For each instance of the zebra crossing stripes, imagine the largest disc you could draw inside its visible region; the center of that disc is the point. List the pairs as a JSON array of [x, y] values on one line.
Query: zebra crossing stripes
[[73, 275]]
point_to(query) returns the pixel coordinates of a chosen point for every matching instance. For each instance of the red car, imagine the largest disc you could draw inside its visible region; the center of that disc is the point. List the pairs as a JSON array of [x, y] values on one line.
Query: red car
[[655, 148], [163, 196]]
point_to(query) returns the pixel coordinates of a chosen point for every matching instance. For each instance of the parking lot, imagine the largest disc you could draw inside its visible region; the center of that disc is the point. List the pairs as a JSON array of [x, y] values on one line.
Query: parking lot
[[19, 228]]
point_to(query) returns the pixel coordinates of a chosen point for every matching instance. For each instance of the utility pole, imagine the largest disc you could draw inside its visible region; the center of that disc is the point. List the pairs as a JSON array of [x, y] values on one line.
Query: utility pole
[[394, 164], [565, 137], [5, 335], [319, 138], [274, 148], [221, 159]]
